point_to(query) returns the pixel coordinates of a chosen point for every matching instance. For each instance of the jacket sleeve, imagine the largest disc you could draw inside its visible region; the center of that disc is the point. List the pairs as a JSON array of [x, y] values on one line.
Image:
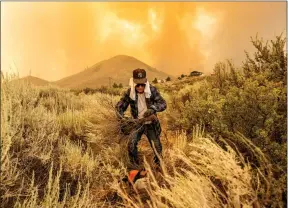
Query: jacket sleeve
[[159, 102], [123, 104]]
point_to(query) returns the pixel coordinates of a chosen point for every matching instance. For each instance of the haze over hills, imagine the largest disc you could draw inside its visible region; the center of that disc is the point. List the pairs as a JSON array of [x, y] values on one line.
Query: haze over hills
[[34, 80], [117, 69]]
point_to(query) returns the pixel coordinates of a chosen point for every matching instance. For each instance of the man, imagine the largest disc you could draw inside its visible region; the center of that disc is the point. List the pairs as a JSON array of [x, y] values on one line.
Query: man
[[144, 100]]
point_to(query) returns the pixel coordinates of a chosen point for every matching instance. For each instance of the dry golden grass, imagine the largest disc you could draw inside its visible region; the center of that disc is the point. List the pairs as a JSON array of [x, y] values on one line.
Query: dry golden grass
[[62, 150], [198, 173]]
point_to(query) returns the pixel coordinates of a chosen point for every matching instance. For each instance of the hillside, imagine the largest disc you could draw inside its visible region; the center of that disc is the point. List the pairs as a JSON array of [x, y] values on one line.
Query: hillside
[[34, 80], [118, 68]]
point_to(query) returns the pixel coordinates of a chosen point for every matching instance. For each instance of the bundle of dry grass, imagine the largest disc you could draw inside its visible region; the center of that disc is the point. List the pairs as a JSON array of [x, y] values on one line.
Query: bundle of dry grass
[[105, 120]]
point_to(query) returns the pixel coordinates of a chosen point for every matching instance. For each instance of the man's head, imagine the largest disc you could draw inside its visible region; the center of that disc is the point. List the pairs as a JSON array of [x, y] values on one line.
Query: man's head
[[139, 78]]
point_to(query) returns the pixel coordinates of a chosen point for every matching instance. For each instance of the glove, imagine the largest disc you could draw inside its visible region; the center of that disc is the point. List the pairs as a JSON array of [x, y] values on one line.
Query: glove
[[149, 112]]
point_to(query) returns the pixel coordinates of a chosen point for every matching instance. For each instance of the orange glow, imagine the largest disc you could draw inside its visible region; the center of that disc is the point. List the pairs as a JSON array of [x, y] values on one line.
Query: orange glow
[[205, 22], [58, 39]]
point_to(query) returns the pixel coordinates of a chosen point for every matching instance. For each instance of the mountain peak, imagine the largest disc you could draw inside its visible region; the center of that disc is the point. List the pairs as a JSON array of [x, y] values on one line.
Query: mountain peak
[[124, 58], [116, 69], [34, 80], [120, 56]]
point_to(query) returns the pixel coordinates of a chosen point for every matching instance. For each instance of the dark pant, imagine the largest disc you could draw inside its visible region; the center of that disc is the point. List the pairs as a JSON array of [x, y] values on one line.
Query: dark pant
[[149, 131]]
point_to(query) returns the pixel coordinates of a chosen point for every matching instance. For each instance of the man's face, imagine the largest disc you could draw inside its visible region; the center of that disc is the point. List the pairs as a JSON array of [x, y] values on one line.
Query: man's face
[[140, 88]]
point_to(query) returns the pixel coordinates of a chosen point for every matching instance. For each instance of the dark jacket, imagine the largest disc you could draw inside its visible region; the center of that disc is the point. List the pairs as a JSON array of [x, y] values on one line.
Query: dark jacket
[[155, 102]]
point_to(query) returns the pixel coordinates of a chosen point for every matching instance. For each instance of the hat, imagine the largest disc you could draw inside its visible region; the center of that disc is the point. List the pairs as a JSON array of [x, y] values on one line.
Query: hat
[[139, 76]]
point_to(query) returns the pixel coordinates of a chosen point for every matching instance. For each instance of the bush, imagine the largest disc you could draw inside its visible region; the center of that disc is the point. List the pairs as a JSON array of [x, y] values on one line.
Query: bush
[[251, 101]]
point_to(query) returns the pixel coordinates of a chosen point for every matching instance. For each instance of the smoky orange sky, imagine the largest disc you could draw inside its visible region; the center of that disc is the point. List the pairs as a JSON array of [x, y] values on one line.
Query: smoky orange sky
[[58, 39]]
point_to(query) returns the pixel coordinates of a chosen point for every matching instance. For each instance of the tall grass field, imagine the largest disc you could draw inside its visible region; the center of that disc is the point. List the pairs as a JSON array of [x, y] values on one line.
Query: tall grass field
[[224, 142]]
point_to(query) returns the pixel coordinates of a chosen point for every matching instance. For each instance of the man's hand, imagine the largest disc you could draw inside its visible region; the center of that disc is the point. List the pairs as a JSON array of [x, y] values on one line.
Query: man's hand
[[149, 112], [149, 118]]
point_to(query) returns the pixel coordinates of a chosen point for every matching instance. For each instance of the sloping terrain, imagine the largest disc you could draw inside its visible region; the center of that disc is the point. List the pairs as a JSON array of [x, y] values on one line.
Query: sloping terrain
[[117, 69], [34, 80]]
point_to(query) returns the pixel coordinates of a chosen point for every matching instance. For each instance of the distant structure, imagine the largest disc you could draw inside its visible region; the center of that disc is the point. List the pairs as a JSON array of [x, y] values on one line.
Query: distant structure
[[195, 73]]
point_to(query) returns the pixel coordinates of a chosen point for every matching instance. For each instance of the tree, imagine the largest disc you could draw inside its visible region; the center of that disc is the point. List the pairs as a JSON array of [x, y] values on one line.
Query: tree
[[155, 81], [115, 85], [270, 58], [120, 85], [168, 79], [182, 75], [87, 90]]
